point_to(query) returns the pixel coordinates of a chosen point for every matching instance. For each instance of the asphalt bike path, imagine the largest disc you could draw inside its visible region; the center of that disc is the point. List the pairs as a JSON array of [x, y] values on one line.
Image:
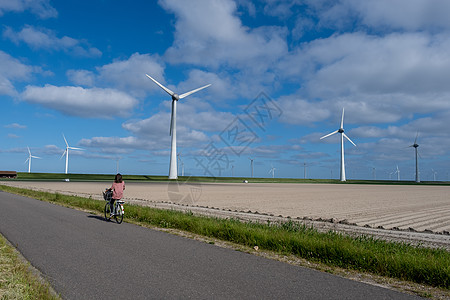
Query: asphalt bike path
[[85, 257]]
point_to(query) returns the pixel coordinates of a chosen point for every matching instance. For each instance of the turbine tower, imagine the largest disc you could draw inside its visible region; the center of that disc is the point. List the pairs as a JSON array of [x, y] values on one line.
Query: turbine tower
[[272, 171], [397, 171], [251, 164], [66, 152], [415, 145], [173, 170], [434, 174], [341, 131], [29, 159]]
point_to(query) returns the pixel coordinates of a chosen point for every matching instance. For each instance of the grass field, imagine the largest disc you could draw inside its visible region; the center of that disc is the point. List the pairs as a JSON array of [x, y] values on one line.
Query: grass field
[[406, 262], [150, 178]]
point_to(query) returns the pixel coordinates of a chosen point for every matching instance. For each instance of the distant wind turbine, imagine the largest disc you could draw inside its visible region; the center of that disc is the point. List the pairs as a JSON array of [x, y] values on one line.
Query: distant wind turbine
[[434, 174], [173, 170], [29, 159], [415, 145], [341, 131], [397, 171], [272, 171], [251, 164], [66, 152], [182, 164]]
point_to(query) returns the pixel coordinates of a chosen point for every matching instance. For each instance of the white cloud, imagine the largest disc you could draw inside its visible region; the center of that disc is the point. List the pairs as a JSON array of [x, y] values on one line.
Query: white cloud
[[129, 74], [299, 111], [41, 8], [78, 101], [208, 33], [47, 39], [113, 144], [12, 69], [156, 128], [381, 15], [402, 14], [15, 126], [377, 79], [81, 77]]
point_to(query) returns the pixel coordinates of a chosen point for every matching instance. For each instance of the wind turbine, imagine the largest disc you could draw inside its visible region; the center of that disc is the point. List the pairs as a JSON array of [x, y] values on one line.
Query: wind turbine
[[182, 163], [415, 145], [66, 152], [29, 159], [341, 131], [397, 171], [272, 171], [434, 174], [173, 170], [251, 164]]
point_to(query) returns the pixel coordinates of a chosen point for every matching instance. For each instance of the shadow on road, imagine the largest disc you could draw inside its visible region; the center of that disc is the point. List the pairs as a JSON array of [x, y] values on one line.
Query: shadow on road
[[97, 217]]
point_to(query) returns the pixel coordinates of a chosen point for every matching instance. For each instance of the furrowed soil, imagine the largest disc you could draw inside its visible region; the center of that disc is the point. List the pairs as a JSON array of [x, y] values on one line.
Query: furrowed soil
[[409, 213]]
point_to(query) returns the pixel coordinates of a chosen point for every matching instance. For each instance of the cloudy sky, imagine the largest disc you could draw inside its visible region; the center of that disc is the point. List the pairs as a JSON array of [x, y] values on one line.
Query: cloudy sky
[[281, 73]]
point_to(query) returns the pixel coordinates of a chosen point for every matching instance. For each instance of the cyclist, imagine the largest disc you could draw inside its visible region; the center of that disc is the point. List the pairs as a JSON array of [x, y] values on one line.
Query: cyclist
[[117, 188]]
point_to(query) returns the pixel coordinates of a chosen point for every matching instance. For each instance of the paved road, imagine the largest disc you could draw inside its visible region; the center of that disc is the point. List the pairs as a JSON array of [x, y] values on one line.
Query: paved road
[[85, 257]]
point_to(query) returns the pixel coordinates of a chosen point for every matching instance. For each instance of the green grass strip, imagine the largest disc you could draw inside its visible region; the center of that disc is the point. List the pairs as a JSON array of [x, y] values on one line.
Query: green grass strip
[[23, 176], [396, 260], [16, 279]]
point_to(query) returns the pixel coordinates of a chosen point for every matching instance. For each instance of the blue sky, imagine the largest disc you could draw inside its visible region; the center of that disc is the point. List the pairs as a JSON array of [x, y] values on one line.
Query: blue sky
[[78, 68]]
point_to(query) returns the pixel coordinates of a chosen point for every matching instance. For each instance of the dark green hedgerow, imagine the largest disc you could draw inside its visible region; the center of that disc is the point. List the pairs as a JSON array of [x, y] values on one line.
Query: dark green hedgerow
[[406, 262]]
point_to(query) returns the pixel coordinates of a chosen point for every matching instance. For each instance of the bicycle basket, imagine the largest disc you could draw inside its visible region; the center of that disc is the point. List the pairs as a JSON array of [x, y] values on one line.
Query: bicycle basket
[[107, 195]]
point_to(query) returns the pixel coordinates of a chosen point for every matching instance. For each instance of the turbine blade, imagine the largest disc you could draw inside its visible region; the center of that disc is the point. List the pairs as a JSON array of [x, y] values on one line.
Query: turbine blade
[[161, 86], [35, 156], [67, 144], [193, 91], [171, 119], [26, 160], [329, 134], [417, 135], [342, 119], [63, 154], [74, 148], [349, 139], [29, 150]]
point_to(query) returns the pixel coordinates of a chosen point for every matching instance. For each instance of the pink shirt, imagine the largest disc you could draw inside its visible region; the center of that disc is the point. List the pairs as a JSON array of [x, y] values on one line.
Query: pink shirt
[[118, 189]]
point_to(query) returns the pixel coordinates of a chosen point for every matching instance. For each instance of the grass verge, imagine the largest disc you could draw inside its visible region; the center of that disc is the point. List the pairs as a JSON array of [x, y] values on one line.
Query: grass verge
[[396, 260], [22, 176], [17, 281]]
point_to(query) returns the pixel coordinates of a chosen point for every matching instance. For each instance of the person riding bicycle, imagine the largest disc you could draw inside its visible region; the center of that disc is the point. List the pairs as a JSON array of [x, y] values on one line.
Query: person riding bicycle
[[117, 189]]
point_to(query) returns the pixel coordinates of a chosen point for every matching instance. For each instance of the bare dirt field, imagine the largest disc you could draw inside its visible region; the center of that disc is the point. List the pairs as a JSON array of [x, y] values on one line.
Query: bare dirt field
[[409, 211]]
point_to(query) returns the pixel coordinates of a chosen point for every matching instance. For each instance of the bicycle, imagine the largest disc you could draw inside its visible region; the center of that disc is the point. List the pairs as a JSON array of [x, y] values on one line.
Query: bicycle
[[118, 208]]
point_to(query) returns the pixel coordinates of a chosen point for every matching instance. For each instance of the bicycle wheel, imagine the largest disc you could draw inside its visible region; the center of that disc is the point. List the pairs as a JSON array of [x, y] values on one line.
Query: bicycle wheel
[[119, 215], [107, 212]]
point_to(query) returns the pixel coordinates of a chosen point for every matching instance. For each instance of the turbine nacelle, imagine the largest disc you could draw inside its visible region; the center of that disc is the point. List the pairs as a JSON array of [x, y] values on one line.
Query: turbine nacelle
[[175, 97]]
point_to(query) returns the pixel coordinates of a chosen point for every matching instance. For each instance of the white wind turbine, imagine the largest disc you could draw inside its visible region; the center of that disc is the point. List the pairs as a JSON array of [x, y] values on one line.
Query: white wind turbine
[[272, 171], [182, 164], [251, 164], [341, 131], [29, 159], [173, 170], [415, 145], [434, 174], [397, 171], [66, 152]]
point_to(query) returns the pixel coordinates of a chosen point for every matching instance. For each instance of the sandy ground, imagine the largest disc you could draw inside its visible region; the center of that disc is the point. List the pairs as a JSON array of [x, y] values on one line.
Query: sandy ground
[[422, 208]]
